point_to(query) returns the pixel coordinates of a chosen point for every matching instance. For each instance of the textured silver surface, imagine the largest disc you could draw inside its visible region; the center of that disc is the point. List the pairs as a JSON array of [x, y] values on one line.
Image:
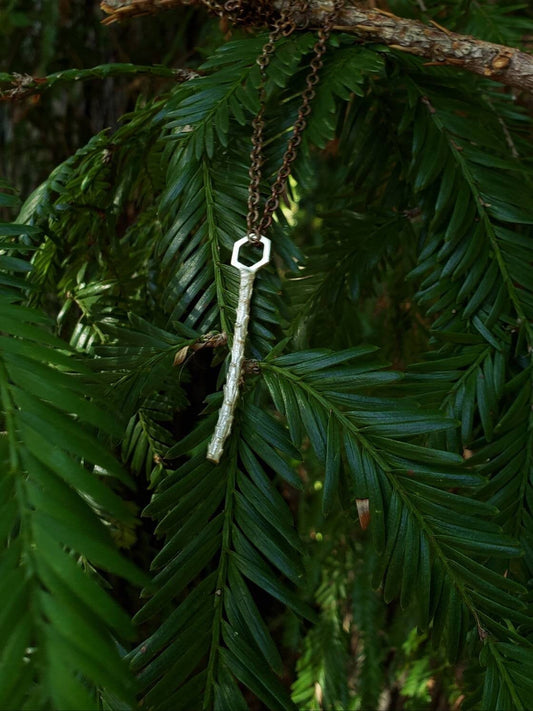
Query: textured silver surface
[[231, 388]]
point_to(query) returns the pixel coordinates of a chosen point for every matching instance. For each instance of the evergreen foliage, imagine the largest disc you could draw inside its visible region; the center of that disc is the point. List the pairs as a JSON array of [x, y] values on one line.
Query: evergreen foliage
[[134, 571]]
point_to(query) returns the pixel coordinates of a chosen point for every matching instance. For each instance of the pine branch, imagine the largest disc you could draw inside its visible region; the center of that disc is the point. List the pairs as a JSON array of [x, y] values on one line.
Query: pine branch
[[18, 86], [57, 512], [410, 512], [240, 530], [441, 47], [142, 221]]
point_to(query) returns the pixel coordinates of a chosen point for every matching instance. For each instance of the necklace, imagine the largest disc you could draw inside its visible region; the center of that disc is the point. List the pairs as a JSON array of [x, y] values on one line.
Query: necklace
[[258, 223]]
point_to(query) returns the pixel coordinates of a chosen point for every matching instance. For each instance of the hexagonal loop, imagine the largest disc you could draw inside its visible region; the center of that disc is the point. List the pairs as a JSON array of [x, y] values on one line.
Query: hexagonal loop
[[260, 263]]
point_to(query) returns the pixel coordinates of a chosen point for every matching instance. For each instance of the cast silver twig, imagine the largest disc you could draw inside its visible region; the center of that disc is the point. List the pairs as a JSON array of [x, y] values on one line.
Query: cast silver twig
[[231, 388]]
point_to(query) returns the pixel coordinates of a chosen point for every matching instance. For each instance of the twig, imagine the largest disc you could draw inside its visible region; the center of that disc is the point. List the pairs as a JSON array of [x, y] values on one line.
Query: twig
[[440, 47], [19, 86]]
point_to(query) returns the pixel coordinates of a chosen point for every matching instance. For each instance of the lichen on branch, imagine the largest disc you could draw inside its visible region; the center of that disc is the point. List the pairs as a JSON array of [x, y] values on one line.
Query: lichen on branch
[[434, 43]]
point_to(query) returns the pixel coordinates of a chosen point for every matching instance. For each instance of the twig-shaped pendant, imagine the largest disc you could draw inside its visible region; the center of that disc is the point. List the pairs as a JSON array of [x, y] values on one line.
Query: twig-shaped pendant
[[231, 388]]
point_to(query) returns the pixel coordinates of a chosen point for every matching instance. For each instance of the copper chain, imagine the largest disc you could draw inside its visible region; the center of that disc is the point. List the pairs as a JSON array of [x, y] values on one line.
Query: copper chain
[[242, 11], [257, 226], [283, 26]]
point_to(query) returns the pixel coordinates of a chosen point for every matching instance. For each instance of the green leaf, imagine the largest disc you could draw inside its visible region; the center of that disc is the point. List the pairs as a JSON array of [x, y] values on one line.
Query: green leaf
[[332, 472]]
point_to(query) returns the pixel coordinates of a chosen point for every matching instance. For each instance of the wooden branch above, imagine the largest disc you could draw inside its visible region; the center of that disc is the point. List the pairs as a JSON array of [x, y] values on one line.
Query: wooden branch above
[[437, 45]]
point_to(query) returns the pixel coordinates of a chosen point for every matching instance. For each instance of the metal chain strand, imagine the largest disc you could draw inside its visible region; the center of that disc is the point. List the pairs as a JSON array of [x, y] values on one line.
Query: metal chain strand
[[285, 26], [247, 12], [282, 27], [239, 11]]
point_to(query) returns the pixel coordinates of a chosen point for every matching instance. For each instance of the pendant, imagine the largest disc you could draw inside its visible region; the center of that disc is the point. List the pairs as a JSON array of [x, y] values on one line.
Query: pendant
[[233, 378]]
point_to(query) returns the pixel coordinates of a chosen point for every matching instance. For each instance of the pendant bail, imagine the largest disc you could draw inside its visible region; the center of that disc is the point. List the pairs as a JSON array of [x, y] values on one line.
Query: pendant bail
[[251, 238]]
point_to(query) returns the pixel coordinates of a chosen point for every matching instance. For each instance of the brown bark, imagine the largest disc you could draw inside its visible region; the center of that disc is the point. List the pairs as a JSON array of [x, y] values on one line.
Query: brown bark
[[507, 65], [440, 47]]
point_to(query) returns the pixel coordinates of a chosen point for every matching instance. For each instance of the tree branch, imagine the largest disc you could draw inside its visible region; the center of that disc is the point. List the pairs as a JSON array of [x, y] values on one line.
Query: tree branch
[[19, 86], [507, 65]]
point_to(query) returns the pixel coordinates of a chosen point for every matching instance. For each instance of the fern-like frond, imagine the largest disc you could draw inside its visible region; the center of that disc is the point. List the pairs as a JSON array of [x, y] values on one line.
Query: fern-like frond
[[506, 680], [503, 23], [323, 664], [204, 206], [131, 240], [139, 360], [59, 512], [477, 261], [227, 532], [15, 242], [16, 86], [408, 487], [477, 242], [507, 24], [202, 289], [93, 256], [344, 76], [333, 282]]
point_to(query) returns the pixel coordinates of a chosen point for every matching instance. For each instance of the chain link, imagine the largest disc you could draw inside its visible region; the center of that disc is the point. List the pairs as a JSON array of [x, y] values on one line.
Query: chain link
[[283, 25], [243, 11]]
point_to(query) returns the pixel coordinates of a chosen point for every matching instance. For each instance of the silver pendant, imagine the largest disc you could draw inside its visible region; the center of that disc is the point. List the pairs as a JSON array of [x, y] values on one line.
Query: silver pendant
[[231, 388]]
